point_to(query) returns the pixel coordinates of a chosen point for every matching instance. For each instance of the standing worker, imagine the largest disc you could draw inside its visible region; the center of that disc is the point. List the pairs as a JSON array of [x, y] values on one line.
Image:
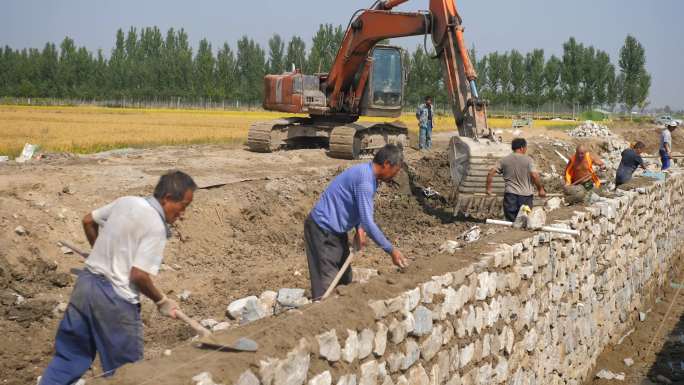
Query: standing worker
[[631, 159], [425, 123], [665, 149], [519, 175], [348, 203], [128, 238], [580, 178]]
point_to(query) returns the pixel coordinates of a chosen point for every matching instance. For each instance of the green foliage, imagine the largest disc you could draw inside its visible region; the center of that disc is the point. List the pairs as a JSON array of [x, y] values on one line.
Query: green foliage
[[637, 81], [145, 63], [276, 55], [593, 115]]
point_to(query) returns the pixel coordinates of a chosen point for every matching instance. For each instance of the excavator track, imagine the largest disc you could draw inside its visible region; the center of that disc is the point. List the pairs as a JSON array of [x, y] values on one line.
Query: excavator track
[[270, 136], [344, 143], [259, 137], [358, 139]]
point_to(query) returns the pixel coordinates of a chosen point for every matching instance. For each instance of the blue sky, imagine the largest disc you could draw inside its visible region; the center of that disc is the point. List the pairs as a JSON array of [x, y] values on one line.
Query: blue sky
[[494, 25]]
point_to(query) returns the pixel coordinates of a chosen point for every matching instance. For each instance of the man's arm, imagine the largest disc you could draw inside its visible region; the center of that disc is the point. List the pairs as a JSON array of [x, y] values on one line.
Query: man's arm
[[91, 228], [667, 149], [599, 162], [490, 179], [364, 196], [536, 179], [142, 280]]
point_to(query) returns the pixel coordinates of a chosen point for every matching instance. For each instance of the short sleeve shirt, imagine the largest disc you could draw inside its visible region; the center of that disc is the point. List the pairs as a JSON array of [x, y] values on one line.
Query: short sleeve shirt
[[665, 137], [515, 169], [131, 234]]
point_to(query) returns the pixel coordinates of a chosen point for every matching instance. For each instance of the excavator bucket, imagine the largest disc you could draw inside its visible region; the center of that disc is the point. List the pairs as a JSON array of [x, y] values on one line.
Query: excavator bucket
[[470, 160]]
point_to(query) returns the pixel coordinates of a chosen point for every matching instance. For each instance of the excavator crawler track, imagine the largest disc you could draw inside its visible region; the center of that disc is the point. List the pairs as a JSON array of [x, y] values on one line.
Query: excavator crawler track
[[270, 136], [358, 139], [344, 143], [259, 137]]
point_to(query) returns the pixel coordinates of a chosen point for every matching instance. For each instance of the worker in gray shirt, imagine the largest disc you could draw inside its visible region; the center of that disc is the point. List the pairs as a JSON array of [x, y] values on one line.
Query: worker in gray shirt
[[665, 149], [519, 174]]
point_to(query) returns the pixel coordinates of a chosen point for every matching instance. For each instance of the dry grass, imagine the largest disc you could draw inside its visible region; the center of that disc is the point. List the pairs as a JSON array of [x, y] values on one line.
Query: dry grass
[[93, 129]]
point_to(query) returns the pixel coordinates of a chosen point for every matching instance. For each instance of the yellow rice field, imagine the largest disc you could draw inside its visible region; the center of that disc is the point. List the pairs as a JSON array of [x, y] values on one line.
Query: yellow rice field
[[93, 129]]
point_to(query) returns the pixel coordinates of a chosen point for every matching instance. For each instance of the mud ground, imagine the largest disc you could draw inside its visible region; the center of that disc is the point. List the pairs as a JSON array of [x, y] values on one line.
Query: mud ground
[[238, 238]]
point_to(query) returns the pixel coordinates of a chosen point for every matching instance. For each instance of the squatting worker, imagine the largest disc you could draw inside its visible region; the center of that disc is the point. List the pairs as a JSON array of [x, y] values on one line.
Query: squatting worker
[[519, 174], [348, 203], [425, 117], [580, 169], [128, 238], [631, 159], [665, 149]]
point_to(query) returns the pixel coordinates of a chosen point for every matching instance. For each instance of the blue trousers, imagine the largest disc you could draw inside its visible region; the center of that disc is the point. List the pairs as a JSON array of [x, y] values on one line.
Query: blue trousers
[[425, 136], [664, 159], [97, 320]]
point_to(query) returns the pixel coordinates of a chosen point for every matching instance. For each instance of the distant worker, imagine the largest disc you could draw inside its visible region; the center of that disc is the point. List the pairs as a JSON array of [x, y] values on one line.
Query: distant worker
[[128, 238], [519, 174], [631, 159], [347, 203], [665, 149], [425, 117], [580, 178]]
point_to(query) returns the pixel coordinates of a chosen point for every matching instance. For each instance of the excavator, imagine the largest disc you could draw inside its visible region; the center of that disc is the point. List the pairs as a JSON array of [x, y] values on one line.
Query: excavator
[[368, 79]]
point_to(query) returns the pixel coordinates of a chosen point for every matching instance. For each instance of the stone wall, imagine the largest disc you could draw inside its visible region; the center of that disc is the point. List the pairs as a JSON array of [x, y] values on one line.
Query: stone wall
[[538, 310]]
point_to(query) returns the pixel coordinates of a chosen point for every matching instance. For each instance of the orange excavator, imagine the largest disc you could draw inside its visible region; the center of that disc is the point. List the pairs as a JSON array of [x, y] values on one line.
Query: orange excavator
[[368, 79]]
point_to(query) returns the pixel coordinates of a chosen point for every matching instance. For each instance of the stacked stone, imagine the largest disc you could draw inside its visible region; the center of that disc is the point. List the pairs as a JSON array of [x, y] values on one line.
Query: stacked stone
[[590, 128], [539, 311]]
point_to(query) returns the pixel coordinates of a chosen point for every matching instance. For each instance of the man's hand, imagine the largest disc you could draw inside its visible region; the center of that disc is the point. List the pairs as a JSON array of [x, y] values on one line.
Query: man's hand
[[542, 192], [360, 239], [398, 258], [167, 307], [90, 228]]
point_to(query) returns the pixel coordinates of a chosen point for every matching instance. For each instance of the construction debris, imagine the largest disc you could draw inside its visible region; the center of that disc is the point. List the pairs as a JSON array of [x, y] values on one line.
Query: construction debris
[[608, 375], [590, 128], [449, 247], [472, 234], [26, 153]]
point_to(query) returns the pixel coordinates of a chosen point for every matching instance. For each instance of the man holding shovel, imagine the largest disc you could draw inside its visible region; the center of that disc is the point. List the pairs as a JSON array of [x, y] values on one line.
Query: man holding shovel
[[348, 203], [128, 238]]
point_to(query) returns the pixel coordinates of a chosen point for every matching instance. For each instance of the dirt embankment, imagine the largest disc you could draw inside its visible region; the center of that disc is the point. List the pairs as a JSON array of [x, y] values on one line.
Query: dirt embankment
[[237, 239]]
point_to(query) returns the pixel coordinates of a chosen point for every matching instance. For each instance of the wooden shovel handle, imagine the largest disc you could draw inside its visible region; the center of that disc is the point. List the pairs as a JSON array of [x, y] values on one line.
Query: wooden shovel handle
[[335, 281], [193, 324]]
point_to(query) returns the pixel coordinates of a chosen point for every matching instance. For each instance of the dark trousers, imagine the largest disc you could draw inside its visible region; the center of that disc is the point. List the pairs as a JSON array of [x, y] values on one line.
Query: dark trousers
[[325, 253], [513, 202], [97, 320]]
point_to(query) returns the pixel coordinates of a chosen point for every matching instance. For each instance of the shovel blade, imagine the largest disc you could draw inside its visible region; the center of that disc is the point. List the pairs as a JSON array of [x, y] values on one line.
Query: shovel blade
[[242, 344]]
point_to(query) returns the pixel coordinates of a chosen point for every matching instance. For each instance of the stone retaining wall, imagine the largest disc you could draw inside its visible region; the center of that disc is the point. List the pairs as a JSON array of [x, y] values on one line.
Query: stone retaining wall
[[537, 311]]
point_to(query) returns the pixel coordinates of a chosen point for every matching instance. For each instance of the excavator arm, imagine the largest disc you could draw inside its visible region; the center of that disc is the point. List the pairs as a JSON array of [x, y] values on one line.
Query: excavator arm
[[444, 24]]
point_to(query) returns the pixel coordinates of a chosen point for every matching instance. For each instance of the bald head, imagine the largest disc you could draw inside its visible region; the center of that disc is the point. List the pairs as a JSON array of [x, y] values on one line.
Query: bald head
[[580, 151]]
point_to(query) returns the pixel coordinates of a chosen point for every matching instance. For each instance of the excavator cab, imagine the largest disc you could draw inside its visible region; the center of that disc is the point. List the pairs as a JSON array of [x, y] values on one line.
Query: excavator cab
[[384, 92]]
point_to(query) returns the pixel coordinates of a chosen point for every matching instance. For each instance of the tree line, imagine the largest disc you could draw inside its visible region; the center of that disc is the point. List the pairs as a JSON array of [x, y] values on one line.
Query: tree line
[[145, 64]]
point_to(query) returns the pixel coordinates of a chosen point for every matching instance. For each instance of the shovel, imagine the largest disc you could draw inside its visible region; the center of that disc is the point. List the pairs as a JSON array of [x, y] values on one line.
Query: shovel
[[209, 340]]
